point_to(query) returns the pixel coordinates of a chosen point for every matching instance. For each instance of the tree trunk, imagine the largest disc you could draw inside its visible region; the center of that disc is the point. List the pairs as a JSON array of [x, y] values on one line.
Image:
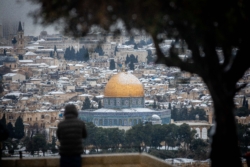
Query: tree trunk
[[225, 150]]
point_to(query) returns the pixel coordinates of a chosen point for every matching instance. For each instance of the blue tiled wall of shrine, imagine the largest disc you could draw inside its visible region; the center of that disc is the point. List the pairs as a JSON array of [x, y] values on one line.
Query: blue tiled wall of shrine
[[114, 102], [122, 118]]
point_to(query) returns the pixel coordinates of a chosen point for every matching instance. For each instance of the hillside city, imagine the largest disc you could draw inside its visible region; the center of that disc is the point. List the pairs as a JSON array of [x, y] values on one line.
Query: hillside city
[[40, 75]]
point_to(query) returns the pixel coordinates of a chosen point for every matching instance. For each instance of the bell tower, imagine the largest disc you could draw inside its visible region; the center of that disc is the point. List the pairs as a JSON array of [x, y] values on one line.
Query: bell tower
[[20, 39]]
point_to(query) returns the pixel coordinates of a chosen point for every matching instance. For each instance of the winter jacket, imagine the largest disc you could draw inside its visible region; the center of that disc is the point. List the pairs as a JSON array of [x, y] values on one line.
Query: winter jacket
[[70, 133]]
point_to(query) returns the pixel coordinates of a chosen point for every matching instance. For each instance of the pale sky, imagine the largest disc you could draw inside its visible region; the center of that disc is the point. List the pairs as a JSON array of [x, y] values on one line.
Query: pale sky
[[14, 11]]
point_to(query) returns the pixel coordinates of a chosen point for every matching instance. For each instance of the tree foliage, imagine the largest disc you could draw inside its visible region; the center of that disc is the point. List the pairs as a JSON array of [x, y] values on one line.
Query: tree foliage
[[14, 41], [86, 104], [131, 41], [141, 136], [19, 128], [11, 130], [100, 104], [3, 120], [99, 50], [112, 64], [81, 55], [183, 114], [242, 112]]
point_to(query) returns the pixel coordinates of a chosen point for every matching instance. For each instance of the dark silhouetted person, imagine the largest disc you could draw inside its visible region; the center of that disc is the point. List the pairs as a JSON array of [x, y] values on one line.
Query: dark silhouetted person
[[4, 134], [70, 133]]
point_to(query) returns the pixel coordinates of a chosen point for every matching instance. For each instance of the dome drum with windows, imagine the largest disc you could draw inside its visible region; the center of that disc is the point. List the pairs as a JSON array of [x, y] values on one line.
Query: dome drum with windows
[[124, 90]]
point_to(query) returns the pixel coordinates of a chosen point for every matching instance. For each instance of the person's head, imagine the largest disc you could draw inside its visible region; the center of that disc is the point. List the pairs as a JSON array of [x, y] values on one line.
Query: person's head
[[70, 111]]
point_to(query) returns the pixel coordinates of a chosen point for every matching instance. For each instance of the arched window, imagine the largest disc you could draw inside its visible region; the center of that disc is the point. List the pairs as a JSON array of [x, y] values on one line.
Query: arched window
[[204, 133], [110, 122], [100, 122], [198, 132], [115, 122], [120, 122], [105, 122]]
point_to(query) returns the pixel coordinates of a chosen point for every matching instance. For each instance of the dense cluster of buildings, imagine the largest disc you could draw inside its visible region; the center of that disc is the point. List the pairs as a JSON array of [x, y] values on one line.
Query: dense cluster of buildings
[[37, 86]]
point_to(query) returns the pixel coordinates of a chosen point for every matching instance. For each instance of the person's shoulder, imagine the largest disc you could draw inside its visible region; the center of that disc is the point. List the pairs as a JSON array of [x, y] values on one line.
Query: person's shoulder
[[60, 123]]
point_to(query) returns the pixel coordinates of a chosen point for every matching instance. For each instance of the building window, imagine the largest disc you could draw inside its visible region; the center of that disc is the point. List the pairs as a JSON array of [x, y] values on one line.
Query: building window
[[120, 122], [42, 116], [110, 122], [105, 122], [100, 122], [126, 102], [118, 102], [115, 121], [27, 119], [36, 118], [111, 102]]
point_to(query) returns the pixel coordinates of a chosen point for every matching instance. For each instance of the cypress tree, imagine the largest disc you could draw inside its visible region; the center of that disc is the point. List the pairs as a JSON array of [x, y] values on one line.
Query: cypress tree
[[169, 106], [154, 105], [86, 55], [135, 46], [10, 129], [100, 104], [116, 50], [20, 57], [1, 88], [244, 101], [86, 104], [112, 64], [72, 54], [67, 54], [53, 145], [132, 66], [14, 41], [95, 99], [127, 60], [132, 58], [99, 50], [19, 128], [51, 54], [3, 120], [136, 59], [4, 51]]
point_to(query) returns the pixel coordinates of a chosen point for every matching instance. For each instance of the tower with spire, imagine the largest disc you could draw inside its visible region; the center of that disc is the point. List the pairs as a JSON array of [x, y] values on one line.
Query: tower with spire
[[20, 39]]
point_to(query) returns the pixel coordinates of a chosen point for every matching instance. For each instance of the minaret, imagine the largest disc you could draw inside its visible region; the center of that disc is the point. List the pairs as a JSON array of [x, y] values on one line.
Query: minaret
[[20, 39]]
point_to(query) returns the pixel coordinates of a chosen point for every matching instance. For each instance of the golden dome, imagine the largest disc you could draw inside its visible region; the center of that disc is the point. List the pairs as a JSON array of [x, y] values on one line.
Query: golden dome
[[124, 85]]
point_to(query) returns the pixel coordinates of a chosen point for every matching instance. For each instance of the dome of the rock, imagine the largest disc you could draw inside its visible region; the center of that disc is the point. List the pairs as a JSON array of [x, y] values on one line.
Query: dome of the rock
[[124, 85]]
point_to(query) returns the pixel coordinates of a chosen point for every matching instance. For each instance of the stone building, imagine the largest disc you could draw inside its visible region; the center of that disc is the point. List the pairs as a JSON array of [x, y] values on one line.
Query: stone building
[[9, 77], [123, 105], [20, 40], [201, 127]]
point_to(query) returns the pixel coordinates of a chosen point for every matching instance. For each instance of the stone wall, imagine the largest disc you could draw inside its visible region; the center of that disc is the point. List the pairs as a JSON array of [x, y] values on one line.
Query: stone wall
[[102, 160]]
